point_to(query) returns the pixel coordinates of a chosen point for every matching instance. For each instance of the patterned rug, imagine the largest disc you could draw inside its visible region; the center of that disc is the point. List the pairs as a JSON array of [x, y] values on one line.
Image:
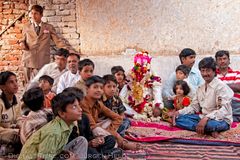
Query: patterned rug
[[172, 151], [162, 131]]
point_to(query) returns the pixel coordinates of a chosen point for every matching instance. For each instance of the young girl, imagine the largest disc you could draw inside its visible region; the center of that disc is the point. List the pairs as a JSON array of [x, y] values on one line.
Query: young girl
[[181, 100]]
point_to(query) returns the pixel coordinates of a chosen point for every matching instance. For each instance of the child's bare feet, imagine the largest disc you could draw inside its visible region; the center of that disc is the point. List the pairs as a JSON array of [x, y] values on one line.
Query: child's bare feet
[[215, 134], [131, 146]]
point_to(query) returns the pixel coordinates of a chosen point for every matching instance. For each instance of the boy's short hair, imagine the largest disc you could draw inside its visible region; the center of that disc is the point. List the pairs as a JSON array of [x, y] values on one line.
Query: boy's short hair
[[207, 62], [62, 52], [184, 85], [34, 98], [221, 53], [109, 77], [78, 92], [4, 76], [185, 69], [74, 54], [94, 79], [47, 78], [61, 100], [37, 8], [85, 62], [185, 53], [116, 69]]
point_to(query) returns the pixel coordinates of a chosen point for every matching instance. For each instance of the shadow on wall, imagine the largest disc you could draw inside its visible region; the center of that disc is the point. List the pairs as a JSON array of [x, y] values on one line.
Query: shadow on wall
[[162, 65]]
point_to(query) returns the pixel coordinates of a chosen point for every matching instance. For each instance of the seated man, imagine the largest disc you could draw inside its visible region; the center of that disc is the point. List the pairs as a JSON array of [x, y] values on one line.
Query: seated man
[[69, 78], [212, 101], [54, 69], [231, 78], [194, 79]]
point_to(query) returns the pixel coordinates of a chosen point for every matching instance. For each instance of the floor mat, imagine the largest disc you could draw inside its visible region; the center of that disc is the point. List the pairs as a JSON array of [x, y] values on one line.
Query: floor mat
[[162, 131], [161, 151]]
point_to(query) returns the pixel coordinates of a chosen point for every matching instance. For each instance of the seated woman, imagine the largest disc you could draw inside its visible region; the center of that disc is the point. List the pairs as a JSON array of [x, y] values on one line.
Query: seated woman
[[9, 112], [143, 90]]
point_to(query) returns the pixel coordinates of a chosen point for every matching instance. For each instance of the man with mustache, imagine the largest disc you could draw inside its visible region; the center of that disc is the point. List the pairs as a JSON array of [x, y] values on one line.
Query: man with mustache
[[210, 111], [231, 78]]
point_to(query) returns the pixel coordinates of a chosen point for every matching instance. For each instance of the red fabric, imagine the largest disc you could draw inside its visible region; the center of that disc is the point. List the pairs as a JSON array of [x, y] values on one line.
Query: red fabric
[[158, 131]]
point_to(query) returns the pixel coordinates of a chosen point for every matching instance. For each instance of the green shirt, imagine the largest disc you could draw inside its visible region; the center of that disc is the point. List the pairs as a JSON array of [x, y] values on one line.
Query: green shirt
[[47, 142]]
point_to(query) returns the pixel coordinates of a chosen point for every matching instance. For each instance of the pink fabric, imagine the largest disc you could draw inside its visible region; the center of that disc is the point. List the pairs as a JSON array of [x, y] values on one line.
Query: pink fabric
[[158, 131]]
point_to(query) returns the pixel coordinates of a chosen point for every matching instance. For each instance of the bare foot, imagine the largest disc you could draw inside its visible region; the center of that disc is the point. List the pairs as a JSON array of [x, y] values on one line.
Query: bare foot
[[215, 134], [131, 146]]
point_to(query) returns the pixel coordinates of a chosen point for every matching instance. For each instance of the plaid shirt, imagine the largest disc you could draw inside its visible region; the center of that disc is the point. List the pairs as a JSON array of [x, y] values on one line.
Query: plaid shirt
[[114, 103], [33, 122]]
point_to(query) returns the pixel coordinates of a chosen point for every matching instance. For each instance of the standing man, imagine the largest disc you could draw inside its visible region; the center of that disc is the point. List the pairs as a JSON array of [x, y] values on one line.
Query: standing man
[[36, 43], [231, 78]]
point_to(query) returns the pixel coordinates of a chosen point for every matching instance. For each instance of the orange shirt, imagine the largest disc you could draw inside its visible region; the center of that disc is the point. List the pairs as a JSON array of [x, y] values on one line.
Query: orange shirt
[[47, 99]]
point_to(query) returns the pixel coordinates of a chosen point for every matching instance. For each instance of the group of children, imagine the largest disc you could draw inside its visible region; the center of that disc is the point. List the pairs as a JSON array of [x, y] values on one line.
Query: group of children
[[85, 121]]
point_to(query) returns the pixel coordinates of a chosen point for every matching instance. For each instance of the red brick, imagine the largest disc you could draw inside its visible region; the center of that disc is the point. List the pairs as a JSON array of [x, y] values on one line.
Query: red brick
[[23, 6], [14, 30], [9, 16], [7, 11], [6, 6], [15, 63], [12, 41], [19, 36]]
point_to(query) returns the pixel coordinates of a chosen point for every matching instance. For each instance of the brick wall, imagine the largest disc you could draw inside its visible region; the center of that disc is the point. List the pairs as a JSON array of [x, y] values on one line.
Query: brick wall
[[60, 13], [10, 52]]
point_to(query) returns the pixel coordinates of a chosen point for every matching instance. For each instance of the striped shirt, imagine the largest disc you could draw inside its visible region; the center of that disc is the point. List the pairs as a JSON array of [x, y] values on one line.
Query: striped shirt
[[232, 77]]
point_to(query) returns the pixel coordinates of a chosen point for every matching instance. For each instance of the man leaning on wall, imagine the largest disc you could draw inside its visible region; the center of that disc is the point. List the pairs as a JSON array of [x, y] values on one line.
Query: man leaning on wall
[[36, 43]]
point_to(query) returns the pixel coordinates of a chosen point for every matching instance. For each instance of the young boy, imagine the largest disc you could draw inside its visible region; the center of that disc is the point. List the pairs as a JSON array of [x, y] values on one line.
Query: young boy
[[86, 68], [52, 138], [37, 117], [9, 112], [98, 146], [113, 102], [119, 74], [94, 108], [46, 83]]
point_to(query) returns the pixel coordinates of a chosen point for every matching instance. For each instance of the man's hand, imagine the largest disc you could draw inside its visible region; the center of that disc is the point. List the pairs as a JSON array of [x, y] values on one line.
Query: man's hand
[[174, 116], [201, 125]]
